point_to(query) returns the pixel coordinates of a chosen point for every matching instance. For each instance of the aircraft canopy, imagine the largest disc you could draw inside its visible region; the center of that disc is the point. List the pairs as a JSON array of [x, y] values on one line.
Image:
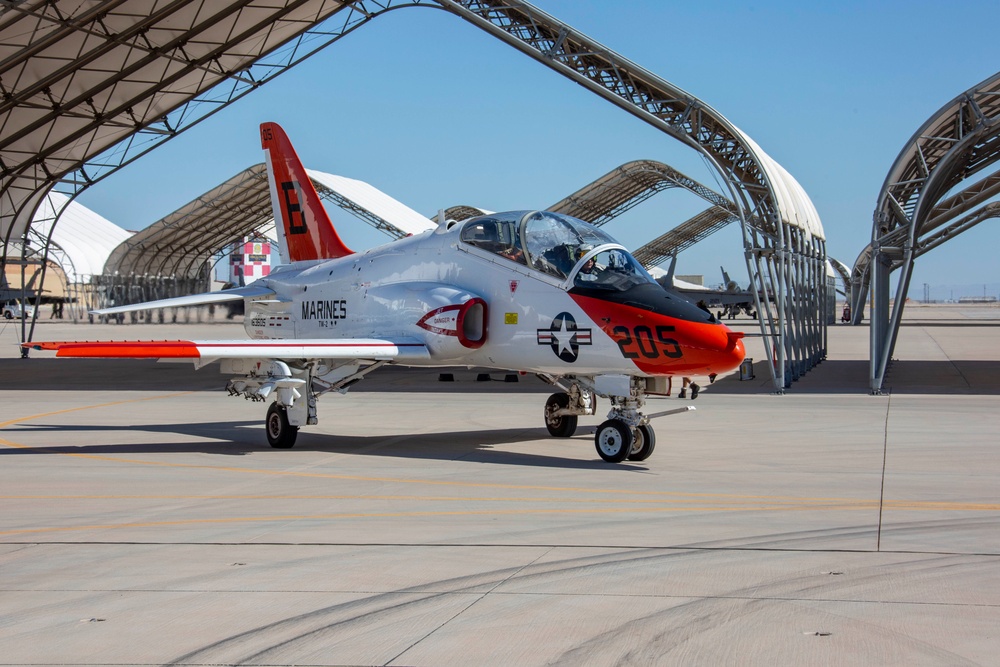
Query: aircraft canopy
[[559, 245]]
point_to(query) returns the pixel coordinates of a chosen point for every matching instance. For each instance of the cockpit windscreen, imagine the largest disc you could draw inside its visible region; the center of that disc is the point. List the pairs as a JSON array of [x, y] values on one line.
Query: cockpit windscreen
[[612, 269]]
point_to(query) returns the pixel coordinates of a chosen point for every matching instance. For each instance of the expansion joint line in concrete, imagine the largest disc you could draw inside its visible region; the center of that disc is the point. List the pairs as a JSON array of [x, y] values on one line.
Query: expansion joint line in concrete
[[515, 572], [885, 451]]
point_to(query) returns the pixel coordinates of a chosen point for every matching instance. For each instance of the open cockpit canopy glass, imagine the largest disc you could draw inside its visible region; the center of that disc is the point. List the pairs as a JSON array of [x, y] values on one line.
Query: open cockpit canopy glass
[[586, 259], [555, 244]]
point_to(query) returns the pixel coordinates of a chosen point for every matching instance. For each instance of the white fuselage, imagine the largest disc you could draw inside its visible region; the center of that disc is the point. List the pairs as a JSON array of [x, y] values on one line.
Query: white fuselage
[[387, 291]]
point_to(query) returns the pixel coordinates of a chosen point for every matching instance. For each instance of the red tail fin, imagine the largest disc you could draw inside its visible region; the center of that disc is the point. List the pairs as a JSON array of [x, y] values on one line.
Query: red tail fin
[[304, 228]]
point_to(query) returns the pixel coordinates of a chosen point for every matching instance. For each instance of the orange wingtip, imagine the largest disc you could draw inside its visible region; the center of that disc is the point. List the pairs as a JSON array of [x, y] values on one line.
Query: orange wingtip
[[143, 349]]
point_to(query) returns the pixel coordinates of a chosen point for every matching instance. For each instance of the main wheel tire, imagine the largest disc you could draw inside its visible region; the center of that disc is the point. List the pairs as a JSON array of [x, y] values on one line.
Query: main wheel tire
[[280, 434], [644, 443], [561, 426], [613, 440]]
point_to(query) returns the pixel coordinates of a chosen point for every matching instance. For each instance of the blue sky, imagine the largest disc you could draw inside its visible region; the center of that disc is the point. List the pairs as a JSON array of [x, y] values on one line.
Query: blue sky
[[435, 112]]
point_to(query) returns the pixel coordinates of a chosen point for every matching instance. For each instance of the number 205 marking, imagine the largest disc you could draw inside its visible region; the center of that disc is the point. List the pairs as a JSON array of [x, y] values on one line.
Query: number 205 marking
[[639, 341]]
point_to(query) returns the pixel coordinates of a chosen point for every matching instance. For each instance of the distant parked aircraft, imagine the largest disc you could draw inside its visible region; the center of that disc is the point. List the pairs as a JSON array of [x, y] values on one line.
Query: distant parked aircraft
[[731, 298]]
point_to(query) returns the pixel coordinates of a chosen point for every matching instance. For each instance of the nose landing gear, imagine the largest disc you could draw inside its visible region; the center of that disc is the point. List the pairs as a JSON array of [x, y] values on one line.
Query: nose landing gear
[[614, 440], [643, 444], [627, 433]]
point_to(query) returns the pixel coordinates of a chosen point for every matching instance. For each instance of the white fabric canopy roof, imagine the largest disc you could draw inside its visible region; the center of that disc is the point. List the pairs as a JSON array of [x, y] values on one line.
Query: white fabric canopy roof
[[85, 237], [375, 201]]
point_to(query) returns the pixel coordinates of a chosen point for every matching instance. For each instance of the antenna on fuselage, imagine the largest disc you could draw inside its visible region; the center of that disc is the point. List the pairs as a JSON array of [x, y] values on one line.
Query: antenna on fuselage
[[443, 221]]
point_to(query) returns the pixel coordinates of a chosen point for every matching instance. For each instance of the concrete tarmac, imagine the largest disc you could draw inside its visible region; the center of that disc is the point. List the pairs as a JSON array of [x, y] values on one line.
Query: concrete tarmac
[[146, 521]]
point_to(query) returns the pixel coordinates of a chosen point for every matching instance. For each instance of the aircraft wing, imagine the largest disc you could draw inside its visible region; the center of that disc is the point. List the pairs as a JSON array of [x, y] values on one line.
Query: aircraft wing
[[235, 294], [206, 351]]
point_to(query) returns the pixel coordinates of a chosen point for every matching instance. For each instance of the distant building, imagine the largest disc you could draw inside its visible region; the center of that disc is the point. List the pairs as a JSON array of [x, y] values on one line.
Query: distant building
[[977, 299], [249, 261]]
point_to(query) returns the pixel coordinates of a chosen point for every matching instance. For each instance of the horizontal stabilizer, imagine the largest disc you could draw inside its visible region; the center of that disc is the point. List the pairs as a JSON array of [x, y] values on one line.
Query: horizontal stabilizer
[[378, 349], [222, 296]]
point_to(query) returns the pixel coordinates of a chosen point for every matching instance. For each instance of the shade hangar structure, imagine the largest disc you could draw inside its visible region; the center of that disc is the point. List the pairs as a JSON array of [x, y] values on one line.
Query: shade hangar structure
[[88, 87], [76, 250], [939, 186]]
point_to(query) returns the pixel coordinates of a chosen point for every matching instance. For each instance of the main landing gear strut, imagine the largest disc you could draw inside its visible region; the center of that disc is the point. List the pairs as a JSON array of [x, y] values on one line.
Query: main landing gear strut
[[294, 389], [626, 434]]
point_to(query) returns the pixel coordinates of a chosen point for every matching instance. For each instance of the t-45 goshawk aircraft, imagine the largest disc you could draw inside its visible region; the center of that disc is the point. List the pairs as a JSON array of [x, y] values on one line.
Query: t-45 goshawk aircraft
[[532, 291]]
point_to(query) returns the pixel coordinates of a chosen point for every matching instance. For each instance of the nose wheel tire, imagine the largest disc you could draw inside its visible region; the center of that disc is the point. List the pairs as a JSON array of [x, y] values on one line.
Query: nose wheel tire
[[560, 426], [613, 440], [280, 434], [643, 444]]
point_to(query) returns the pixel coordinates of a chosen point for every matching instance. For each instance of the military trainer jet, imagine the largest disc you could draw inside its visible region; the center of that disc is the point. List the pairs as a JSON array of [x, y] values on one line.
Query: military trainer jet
[[533, 291]]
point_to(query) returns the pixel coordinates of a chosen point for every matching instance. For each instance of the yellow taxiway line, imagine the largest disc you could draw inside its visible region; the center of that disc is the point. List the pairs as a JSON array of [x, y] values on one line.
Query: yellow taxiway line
[[637, 501]]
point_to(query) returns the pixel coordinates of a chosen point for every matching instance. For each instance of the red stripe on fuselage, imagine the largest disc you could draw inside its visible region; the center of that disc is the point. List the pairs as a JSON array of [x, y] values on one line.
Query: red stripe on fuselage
[[662, 345]]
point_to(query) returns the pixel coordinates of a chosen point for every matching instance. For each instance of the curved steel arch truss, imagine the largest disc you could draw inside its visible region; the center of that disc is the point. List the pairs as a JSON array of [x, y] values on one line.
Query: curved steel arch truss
[[633, 183], [844, 272], [784, 245], [627, 186], [916, 213], [88, 87], [169, 258], [180, 244]]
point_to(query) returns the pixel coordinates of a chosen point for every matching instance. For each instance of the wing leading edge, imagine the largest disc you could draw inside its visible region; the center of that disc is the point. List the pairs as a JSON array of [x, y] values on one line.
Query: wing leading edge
[[206, 351]]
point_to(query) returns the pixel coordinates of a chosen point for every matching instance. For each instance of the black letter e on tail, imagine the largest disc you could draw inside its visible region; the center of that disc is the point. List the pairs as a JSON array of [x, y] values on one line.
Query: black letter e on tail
[[293, 210]]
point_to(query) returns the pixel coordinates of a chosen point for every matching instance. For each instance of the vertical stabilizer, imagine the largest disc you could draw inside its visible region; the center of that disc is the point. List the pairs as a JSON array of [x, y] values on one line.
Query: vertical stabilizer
[[304, 229], [727, 282], [670, 271]]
